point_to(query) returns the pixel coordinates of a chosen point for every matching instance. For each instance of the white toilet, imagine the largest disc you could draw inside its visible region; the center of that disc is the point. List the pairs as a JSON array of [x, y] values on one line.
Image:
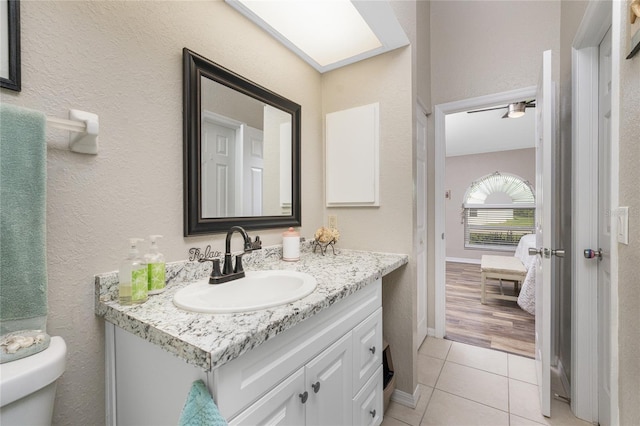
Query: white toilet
[[28, 386]]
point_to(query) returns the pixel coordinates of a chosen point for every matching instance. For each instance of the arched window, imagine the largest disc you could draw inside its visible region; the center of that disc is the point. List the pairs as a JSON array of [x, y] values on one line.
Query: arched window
[[497, 210]]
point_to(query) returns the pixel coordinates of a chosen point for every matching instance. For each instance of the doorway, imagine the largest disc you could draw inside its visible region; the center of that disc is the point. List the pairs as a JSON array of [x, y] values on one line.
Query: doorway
[[442, 232]]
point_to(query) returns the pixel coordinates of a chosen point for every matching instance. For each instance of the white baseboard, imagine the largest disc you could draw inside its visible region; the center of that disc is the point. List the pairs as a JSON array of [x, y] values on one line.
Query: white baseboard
[[463, 260], [405, 398]]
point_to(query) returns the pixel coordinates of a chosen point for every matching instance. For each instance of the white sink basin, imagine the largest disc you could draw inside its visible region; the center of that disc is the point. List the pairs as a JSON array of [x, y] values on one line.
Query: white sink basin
[[257, 290]]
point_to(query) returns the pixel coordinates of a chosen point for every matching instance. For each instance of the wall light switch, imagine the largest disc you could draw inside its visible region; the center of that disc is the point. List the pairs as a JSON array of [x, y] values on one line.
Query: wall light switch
[[333, 221], [623, 225]]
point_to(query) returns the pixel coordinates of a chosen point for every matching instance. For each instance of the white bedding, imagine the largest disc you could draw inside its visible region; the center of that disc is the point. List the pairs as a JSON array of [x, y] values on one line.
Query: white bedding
[[527, 296]]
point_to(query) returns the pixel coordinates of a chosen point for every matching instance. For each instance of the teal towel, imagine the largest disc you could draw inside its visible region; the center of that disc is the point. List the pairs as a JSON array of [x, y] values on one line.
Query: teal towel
[[199, 409], [23, 266]]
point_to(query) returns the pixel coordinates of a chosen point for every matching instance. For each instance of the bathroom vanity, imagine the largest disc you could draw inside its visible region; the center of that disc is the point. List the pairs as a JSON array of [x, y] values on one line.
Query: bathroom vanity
[[317, 360]]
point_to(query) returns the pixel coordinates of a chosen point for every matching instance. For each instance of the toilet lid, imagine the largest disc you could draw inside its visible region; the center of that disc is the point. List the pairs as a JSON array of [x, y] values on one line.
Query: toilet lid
[[27, 375]]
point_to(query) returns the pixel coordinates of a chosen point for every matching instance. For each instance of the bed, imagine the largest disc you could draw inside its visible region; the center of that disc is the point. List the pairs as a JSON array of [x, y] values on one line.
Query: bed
[[527, 296]]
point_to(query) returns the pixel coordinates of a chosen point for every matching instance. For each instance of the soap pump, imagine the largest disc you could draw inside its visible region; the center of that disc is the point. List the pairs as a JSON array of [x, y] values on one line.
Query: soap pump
[[156, 266], [133, 287]]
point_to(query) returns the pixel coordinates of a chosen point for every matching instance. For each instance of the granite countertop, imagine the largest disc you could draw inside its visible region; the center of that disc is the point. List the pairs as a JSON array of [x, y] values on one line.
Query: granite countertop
[[210, 340]]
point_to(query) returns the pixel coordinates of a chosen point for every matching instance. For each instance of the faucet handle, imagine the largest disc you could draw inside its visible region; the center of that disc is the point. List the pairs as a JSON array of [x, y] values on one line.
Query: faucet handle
[[257, 244], [238, 269], [215, 271]]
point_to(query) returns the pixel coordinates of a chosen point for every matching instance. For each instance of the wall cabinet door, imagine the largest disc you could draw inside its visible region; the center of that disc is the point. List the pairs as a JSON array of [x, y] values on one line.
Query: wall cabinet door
[[281, 406], [329, 384]]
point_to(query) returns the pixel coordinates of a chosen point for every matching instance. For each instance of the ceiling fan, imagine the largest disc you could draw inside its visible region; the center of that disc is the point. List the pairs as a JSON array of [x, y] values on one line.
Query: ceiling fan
[[514, 110]]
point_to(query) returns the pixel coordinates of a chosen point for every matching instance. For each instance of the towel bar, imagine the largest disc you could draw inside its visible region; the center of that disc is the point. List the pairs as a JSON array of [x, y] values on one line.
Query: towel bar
[[84, 127]]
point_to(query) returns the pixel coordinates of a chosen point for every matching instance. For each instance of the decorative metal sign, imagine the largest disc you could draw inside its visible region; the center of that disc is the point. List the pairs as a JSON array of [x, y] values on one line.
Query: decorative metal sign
[[196, 254]]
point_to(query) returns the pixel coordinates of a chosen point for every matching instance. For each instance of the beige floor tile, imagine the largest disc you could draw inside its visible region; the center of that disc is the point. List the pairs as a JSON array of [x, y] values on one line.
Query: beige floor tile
[[410, 416], [524, 401], [520, 421], [390, 421], [434, 347], [477, 385], [523, 369], [477, 357], [446, 409], [429, 369]]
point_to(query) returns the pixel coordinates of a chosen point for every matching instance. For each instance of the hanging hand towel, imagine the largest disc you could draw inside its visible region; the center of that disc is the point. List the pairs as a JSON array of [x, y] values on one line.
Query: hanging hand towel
[[199, 409], [23, 274]]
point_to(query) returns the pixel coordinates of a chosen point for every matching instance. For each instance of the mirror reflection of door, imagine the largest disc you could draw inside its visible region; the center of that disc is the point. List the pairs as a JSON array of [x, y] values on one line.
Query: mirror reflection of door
[[246, 155], [218, 166], [232, 164], [252, 187]]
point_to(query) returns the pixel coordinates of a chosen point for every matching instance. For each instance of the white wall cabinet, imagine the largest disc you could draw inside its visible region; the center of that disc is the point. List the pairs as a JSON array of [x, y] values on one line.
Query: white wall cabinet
[[353, 157], [327, 370]]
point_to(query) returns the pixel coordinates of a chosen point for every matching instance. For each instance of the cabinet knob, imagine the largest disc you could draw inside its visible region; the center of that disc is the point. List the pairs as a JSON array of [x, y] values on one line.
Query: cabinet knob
[[304, 396], [373, 413], [316, 387], [372, 349]]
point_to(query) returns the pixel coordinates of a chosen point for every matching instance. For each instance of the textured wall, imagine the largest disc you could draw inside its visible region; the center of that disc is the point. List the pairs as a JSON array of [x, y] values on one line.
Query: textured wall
[[123, 61], [461, 171], [388, 227], [629, 255]]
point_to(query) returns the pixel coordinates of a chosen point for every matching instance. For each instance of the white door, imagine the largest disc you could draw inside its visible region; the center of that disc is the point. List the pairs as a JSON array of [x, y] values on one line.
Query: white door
[[421, 225], [252, 171], [545, 141], [218, 168], [604, 232]]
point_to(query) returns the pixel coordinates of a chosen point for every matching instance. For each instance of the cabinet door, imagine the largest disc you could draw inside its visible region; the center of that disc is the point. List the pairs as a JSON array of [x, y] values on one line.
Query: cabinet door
[[367, 349], [369, 403], [281, 406], [329, 385]]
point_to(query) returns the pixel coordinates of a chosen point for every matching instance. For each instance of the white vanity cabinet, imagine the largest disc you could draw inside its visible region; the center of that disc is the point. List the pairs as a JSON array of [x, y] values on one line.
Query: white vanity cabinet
[[326, 370], [319, 394], [331, 389], [329, 365]]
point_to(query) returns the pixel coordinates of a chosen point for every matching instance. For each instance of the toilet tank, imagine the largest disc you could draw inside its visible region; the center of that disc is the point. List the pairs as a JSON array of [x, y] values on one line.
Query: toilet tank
[[27, 386]]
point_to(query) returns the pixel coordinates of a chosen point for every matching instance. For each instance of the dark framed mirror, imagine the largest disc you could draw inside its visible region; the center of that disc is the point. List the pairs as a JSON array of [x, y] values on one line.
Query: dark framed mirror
[[241, 152], [10, 44]]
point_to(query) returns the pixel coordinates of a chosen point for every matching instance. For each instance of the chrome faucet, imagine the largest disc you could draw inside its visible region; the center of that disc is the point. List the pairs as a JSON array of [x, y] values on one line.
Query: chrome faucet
[[229, 271]]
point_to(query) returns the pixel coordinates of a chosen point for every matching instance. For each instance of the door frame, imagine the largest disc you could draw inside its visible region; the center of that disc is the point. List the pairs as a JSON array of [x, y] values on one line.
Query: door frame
[[441, 111], [421, 234], [598, 17]]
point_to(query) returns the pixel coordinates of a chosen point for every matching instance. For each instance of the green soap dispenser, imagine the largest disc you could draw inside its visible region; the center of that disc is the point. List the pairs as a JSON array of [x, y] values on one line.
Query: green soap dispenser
[[156, 266], [133, 287]]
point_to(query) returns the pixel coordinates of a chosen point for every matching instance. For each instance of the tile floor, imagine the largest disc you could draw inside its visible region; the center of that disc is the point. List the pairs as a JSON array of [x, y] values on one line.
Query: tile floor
[[465, 385]]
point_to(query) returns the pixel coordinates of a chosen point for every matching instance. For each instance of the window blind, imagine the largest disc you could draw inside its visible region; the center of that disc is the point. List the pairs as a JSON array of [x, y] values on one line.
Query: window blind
[[497, 227]]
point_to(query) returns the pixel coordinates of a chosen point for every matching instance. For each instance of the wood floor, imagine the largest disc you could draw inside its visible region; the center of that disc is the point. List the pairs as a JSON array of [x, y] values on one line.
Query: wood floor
[[500, 324]]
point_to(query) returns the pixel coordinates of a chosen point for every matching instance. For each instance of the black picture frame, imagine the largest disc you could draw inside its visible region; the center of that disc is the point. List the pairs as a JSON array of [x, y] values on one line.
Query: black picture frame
[[12, 81], [195, 67]]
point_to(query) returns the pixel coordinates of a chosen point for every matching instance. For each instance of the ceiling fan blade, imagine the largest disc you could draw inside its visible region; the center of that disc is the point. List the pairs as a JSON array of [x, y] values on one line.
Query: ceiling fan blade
[[506, 115], [486, 109]]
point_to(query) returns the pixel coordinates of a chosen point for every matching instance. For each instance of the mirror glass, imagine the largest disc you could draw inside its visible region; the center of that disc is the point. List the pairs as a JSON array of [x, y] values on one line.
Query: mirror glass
[[242, 145]]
